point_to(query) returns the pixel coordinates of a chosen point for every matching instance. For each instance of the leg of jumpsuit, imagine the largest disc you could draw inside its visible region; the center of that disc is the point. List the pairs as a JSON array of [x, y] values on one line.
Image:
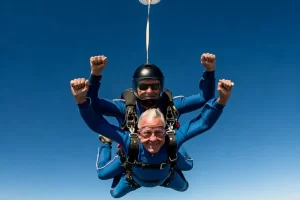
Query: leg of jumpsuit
[[120, 188], [178, 182], [108, 168], [184, 161]]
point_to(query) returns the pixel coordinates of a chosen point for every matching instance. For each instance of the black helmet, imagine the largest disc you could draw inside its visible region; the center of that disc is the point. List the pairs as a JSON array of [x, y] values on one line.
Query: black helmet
[[147, 71]]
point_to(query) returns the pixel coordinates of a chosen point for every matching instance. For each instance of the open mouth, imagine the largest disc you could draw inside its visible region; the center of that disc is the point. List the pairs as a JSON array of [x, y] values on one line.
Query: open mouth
[[153, 145]]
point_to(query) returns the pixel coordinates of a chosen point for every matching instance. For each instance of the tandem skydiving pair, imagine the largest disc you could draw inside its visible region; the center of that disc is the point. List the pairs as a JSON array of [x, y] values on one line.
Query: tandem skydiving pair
[[149, 135]]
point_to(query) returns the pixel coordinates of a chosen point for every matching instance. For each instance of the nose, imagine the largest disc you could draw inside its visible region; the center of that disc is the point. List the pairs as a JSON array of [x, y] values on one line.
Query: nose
[[153, 138], [149, 90]]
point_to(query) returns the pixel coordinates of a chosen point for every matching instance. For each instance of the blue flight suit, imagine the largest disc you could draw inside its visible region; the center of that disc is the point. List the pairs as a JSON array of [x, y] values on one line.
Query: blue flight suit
[[107, 168], [207, 117]]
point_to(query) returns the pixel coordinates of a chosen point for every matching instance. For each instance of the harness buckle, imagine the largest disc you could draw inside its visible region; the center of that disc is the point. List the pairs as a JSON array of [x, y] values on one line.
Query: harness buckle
[[130, 119], [172, 160], [162, 166], [170, 117], [133, 135], [130, 163], [170, 132]]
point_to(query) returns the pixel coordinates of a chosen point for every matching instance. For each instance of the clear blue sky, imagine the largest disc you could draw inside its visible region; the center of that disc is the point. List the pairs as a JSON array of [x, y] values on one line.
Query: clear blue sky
[[47, 152]]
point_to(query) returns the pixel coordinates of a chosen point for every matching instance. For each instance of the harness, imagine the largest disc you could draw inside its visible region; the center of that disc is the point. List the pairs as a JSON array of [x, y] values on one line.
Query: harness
[[130, 124]]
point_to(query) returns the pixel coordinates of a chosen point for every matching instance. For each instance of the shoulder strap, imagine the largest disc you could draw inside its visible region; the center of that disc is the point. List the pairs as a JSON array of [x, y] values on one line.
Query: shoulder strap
[[130, 124], [171, 147], [171, 114], [133, 150], [131, 118], [171, 117], [169, 95], [129, 97]]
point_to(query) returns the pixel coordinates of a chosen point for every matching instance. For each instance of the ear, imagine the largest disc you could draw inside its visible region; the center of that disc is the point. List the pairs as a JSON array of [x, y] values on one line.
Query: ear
[[138, 133]]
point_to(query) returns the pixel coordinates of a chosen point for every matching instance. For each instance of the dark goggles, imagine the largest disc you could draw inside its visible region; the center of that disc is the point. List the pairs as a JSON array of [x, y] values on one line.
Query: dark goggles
[[145, 86]]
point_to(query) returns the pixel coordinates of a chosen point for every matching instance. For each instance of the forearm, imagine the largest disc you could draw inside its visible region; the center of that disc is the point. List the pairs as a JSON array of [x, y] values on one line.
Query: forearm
[[99, 124], [100, 105], [206, 119], [94, 85], [208, 85], [207, 91], [190, 103]]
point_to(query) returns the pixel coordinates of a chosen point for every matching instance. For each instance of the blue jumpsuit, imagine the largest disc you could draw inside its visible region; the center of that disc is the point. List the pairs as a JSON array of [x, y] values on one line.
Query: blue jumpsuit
[[207, 117], [107, 168]]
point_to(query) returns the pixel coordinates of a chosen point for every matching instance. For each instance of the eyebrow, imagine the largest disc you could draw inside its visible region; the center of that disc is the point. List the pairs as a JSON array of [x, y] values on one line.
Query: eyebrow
[[157, 127]]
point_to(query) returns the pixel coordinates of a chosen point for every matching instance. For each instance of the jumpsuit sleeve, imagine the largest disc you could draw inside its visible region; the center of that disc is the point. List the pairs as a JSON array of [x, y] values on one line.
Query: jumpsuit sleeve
[[104, 106], [100, 125], [208, 85], [191, 103], [208, 116]]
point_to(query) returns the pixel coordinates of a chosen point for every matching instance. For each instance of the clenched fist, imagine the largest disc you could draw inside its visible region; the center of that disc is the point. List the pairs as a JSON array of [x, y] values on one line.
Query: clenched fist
[[79, 88], [224, 89], [98, 63], [208, 61]]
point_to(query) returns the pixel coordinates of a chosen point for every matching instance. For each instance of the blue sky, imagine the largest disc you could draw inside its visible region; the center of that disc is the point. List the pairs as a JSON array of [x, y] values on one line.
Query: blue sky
[[47, 152]]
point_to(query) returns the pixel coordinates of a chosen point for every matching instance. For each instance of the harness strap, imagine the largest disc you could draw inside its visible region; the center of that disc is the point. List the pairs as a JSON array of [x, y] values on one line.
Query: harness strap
[[133, 150], [151, 166], [129, 97], [172, 146], [131, 118], [129, 175], [123, 160]]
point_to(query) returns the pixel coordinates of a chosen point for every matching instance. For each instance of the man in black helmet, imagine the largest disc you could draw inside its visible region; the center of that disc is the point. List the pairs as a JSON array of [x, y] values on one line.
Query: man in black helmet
[[148, 86]]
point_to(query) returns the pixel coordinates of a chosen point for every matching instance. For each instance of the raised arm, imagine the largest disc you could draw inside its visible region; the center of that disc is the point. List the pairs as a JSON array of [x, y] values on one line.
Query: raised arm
[[207, 88], [194, 102], [208, 116], [100, 125], [95, 121], [102, 106]]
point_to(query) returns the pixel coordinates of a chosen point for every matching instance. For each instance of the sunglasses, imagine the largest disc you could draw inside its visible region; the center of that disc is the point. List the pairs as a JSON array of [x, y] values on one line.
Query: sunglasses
[[145, 86]]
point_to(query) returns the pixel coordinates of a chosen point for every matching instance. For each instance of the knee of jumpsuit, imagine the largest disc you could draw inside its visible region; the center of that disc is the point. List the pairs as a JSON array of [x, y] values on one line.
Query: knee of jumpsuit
[[121, 189], [112, 169], [103, 160], [184, 162]]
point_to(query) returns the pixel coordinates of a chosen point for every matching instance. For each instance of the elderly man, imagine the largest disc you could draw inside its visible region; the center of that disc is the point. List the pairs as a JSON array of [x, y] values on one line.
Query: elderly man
[[152, 145]]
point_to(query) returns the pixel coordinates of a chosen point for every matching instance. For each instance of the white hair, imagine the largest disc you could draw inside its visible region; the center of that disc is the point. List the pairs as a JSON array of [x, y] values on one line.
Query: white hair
[[152, 113]]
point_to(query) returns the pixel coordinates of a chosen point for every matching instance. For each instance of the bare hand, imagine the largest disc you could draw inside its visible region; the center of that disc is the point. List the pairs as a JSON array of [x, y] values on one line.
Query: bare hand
[[79, 88], [224, 89], [208, 61], [98, 63]]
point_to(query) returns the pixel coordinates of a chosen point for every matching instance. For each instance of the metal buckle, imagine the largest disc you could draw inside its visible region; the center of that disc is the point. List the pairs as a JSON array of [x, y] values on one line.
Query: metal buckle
[[170, 132], [162, 166], [173, 159], [127, 160], [133, 135]]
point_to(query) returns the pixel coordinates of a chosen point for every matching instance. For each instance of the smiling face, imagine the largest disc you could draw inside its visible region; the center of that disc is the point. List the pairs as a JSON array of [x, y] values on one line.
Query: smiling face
[[148, 89], [151, 130]]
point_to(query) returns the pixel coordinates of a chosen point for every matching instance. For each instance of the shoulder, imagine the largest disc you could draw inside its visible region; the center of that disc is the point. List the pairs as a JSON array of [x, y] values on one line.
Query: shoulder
[[179, 96], [119, 102]]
